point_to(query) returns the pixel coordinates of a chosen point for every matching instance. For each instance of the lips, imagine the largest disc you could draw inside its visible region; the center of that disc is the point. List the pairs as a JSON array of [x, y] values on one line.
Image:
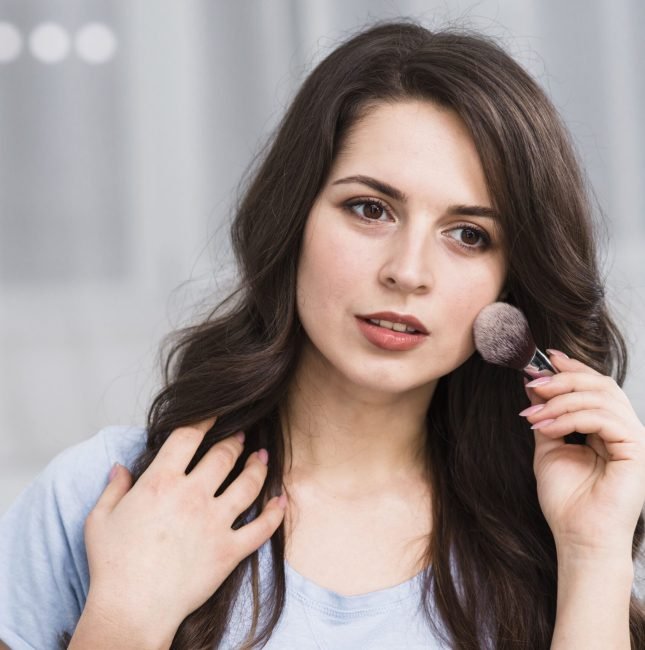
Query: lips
[[387, 339], [394, 317]]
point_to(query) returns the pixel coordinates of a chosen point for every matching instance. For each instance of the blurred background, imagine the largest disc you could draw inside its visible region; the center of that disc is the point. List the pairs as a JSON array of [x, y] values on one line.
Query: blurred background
[[125, 127]]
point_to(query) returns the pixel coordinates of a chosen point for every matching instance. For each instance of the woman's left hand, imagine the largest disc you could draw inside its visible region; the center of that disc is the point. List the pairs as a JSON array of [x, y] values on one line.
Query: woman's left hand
[[591, 495]]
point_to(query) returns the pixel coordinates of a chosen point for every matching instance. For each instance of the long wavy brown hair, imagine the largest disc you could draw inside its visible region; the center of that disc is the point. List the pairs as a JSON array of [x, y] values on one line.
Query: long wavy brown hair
[[238, 362]]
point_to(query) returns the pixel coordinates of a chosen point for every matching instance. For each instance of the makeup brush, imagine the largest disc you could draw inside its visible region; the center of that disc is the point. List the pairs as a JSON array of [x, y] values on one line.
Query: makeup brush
[[503, 337]]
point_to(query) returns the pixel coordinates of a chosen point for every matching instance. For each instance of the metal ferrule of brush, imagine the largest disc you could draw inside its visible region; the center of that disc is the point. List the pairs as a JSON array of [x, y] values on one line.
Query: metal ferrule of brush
[[538, 366]]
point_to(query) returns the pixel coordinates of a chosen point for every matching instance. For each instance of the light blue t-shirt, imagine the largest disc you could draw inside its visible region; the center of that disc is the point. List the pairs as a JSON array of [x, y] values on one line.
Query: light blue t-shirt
[[44, 577]]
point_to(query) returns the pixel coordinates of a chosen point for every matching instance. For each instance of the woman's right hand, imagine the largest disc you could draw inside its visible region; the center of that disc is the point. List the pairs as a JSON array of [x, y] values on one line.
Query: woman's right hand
[[160, 549]]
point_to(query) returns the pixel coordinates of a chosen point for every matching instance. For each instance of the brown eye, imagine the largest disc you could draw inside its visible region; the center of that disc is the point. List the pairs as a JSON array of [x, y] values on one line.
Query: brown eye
[[372, 210], [470, 236], [368, 210]]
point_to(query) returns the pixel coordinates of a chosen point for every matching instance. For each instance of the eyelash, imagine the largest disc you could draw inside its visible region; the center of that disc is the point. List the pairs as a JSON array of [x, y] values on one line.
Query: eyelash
[[485, 238]]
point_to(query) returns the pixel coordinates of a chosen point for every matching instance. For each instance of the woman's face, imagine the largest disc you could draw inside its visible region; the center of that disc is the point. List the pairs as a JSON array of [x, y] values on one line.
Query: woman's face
[[392, 231]]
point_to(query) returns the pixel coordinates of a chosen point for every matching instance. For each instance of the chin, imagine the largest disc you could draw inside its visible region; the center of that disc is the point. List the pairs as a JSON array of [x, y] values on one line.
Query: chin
[[384, 382], [378, 377]]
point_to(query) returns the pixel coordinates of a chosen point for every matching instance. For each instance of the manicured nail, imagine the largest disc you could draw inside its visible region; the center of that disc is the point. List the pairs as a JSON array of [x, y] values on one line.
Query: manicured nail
[[113, 471], [543, 423], [240, 436], [556, 353], [540, 381], [263, 455], [531, 410], [282, 501]]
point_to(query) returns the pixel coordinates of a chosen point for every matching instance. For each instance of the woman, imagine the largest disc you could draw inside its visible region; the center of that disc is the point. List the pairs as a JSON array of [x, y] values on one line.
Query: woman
[[416, 178]]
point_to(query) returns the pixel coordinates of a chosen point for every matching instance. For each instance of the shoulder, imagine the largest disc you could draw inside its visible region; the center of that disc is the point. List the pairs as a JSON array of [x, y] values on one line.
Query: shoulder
[[44, 577], [75, 478], [115, 443], [80, 466]]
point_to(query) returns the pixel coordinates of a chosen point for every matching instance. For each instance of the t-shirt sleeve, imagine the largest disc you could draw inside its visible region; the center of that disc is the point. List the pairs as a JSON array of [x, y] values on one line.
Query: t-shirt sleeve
[[44, 577]]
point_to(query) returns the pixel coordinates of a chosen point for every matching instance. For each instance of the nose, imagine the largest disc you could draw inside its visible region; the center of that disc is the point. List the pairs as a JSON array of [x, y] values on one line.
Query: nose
[[408, 262]]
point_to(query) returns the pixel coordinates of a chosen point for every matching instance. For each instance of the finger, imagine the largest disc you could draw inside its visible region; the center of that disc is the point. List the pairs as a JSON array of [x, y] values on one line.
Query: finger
[[244, 490], [595, 442], [534, 398], [571, 402], [252, 535], [544, 445], [562, 363], [180, 447], [115, 490], [216, 464], [568, 381], [609, 428]]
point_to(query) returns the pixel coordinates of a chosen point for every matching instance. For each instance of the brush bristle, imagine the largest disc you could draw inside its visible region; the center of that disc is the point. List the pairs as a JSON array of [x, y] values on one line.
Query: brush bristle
[[502, 336]]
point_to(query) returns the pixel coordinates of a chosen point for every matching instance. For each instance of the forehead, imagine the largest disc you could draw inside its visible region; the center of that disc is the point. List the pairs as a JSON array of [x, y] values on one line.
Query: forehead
[[417, 146], [410, 123]]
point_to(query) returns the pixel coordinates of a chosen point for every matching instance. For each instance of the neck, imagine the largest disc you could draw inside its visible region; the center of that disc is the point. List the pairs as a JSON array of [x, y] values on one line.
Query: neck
[[351, 441]]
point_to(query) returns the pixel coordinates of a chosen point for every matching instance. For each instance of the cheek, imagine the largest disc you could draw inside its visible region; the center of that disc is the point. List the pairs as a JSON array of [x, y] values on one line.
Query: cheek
[[468, 294], [471, 299], [329, 270]]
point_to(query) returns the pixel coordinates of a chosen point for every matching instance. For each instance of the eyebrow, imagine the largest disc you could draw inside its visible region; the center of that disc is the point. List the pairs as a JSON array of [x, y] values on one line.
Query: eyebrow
[[398, 195]]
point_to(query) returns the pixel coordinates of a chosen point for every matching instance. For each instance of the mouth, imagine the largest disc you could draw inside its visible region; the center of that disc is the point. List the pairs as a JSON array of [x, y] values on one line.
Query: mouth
[[385, 337], [395, 322]]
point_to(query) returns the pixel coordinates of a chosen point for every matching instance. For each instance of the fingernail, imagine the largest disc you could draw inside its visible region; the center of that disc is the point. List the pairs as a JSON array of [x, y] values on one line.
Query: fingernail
[[556, 353], [543, 423], [263, 455], [113, 471], [239, 435], [531, 410], [540, 381], [282, 501]]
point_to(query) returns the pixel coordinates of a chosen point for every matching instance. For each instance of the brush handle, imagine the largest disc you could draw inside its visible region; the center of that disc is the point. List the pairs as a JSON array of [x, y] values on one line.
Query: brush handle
[[540, 366]]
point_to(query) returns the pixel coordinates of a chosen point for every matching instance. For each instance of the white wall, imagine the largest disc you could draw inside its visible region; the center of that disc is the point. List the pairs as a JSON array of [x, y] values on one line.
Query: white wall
[[116, 179]]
